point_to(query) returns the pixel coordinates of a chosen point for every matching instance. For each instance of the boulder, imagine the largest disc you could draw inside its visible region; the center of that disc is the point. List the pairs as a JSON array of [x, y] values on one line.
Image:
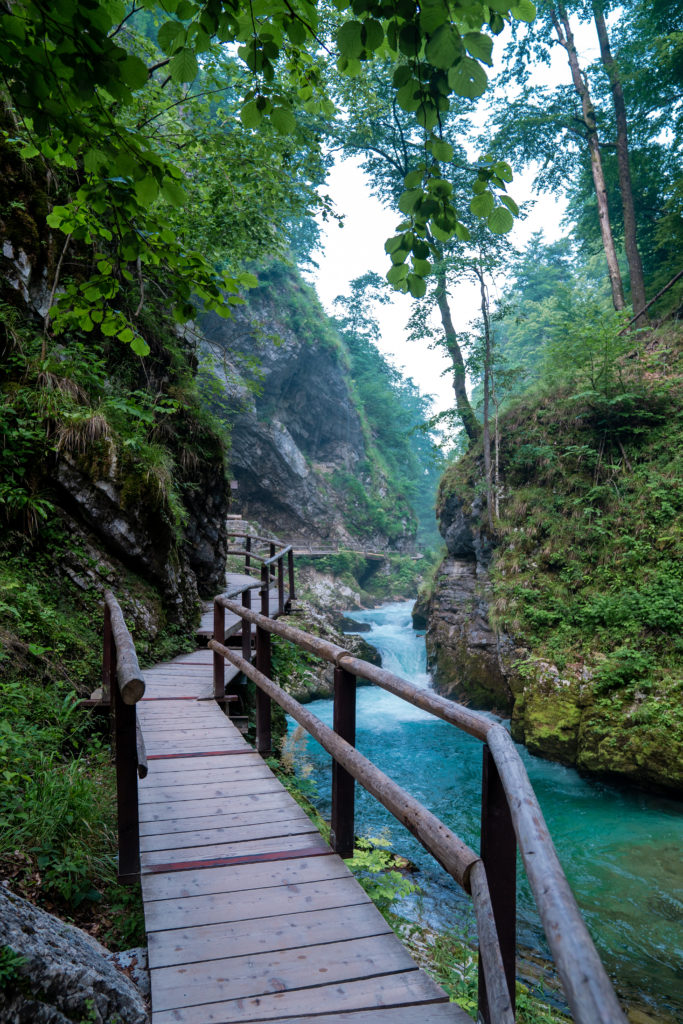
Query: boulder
[[54, 973]]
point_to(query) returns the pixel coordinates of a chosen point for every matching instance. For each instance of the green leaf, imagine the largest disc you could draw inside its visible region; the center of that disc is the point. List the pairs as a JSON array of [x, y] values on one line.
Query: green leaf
[[482, 205], [392, 244], [183, 67], [146, 190], [283, 120], [420, 249], [409, 200], [503, 170], [28, 151], [462, 233], [468, 78], [397, 273], [413, 179], [248, 280], [444, 47], [168, 35], [139, 346], [417, 285], [349, 40], [500, 221], [250, 114], [511, 204], [442, 150], [173, 192], [409, 40], [134, 72], [373, 34], [402, 74], [422, 267], [524, 10], [480, 46]]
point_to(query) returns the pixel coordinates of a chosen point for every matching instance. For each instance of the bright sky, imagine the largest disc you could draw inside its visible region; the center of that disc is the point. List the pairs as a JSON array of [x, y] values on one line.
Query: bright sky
[[358, 247]]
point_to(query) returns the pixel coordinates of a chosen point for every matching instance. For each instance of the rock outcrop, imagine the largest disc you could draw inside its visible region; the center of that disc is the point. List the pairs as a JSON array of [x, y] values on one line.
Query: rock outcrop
[[297, 437], [54, 973]]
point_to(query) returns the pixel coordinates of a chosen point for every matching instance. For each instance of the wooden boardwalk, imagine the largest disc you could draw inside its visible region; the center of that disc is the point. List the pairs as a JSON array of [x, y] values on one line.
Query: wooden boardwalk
[[249, 915]]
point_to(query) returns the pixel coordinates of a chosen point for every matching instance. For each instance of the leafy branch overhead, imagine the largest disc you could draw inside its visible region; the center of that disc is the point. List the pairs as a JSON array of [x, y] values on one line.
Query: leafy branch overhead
[[89, 93]]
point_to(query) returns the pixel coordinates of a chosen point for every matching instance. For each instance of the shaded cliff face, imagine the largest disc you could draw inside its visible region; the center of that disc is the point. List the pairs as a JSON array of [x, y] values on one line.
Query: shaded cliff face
[[470, 661], [299, 452]]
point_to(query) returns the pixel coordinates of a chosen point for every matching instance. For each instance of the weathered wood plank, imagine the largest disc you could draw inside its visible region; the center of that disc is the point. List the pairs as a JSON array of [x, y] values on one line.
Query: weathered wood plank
[[215, 834], [244, 756], [247, 819], [249, 848], [328, 894], [200, 777], [202, 943], [243, 977], [202, 808], [215, 789], [399, 989], [431, 1013]]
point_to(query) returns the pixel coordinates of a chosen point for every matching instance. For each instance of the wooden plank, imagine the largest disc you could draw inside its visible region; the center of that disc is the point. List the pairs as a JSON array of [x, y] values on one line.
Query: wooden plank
[[171, 794], [246, 756], [328, 894], [202, 808], [273, 816], [203, 943], [431, 1013], [243, 877], [216, 835], [255, 848], [399, 989], [242, 977], [221, 775]]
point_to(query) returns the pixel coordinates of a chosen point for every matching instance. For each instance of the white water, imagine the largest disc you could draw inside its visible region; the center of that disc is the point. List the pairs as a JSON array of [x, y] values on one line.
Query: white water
[[621, 850]]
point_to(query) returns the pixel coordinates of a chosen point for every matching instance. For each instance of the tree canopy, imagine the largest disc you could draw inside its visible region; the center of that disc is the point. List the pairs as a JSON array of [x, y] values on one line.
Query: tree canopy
[[114, 96]]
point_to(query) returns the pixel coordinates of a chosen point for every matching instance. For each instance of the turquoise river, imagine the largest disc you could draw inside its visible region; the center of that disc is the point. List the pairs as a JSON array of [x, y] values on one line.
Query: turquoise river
[[621, 849]]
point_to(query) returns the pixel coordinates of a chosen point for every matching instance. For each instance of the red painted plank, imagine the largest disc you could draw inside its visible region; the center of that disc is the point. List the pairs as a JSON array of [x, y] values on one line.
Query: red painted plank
[[253, 858]]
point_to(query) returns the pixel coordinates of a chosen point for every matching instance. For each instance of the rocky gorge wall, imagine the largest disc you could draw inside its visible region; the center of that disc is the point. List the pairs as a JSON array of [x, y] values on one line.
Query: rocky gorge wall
[[557, 714], [299, 449]]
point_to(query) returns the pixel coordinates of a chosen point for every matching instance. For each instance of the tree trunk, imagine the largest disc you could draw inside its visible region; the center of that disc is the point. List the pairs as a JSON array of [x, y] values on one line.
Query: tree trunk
[[635, 265], [462, 402], [566, 39], [487, 390]]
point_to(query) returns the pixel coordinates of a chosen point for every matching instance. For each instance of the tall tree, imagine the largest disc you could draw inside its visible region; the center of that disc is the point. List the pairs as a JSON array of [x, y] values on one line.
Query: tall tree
[[565, 37], [635, 264]]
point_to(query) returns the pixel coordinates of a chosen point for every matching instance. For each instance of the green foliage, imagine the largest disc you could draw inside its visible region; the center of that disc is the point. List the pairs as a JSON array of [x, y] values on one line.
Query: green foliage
[[373, 865], [10, 962]]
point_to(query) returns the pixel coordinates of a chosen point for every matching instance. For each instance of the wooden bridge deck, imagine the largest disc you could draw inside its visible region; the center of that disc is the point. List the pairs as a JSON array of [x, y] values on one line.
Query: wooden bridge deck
[[250, 916]]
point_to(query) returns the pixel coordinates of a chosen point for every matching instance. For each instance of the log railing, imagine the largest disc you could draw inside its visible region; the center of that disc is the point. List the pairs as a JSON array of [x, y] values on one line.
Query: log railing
[[272, 556], [510, 816], [122, 687]]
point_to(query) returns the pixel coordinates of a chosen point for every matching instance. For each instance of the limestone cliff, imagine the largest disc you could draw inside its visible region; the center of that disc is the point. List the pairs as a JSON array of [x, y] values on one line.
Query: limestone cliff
[[300, 451]]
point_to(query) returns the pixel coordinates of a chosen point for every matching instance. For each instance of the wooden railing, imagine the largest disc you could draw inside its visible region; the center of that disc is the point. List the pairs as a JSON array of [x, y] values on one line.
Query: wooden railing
[[122, 687], [271, 555], [510, 815]]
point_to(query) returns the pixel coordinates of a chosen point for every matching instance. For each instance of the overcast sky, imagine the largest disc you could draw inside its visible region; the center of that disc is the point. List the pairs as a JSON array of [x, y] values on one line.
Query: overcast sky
[[358, 246]]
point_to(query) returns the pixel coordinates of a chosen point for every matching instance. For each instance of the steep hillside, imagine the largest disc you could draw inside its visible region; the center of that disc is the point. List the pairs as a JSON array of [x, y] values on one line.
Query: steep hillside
[[569, 615]]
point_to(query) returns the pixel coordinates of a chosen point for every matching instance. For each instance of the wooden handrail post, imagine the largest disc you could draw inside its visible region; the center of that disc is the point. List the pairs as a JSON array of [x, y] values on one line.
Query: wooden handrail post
[[126, 759], [290, 565], [263, 664], [272, 565], [343, 784], [281, 586], [247, 556], [108, 658], [246, 627], [218, 661], [499, 853]]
